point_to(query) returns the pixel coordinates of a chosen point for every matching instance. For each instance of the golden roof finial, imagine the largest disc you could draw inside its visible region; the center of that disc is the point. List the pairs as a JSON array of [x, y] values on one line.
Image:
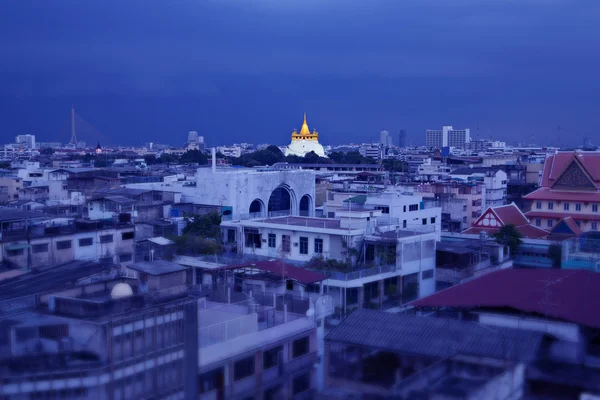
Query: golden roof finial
[[305, 117], [305, 131]]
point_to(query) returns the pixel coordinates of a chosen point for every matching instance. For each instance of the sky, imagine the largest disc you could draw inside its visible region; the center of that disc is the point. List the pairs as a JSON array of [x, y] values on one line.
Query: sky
[[246, 70]]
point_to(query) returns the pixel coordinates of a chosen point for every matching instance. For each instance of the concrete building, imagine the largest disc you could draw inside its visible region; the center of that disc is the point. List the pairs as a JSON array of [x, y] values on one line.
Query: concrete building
[[371, 150], [10, 188], [377, 354], [33, 240], [246, 193], [543, 302], [142, 332], [495, 180], [27, 141], [447, 137]]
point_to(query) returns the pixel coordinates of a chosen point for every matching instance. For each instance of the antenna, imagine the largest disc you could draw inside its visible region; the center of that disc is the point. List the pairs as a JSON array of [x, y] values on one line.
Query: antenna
[[73, 136]]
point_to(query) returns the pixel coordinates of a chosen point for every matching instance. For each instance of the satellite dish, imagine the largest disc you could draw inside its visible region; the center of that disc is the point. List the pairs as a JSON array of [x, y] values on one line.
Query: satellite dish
[[310, 312], [121, 290]]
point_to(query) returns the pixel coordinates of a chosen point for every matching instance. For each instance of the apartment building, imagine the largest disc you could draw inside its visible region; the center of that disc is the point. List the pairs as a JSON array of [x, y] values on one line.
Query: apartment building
[[33, 240], [495, 180]]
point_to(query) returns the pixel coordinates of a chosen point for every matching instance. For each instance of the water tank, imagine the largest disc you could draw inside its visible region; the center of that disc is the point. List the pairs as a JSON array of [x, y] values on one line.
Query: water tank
[[121, 290]]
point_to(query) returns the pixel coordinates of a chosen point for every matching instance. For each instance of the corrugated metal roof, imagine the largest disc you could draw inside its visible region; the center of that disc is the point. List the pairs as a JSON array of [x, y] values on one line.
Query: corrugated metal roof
[[434, 337], [569, 295]]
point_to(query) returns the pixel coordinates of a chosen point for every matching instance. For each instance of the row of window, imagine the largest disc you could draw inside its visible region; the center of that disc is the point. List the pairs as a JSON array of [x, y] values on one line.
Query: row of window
[[566, 206], [83, 242], [550, 224], [286, 242]]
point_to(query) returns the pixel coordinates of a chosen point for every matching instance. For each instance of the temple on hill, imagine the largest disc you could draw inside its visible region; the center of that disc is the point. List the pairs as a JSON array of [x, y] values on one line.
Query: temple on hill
[[304, 142]]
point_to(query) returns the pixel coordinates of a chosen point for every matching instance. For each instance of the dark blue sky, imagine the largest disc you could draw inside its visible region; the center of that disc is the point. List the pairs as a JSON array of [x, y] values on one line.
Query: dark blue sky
[[246, 70]]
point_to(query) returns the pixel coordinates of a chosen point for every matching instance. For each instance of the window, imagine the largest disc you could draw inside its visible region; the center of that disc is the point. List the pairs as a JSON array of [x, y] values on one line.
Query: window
[[300, 347], [303, 245], [550, 205], [243, 368], [404, 208], [578, 223], [319, 246], [273, 393], [209, 380], [86, 242], [301, 383], [106, 238], [272, 240], [253, 238], [427, 274], [404, 223], [330, 214], [125, 257], [538, 204], [413, 207], [549, 223], [566, 206], [63, 245], [433, 220], [230, 235], [127, 235], [595, 207], [424, 220], [594, 226], [271, 357], [285, 243], [538, 222], [578, 207], [384, 210], [15, 252], [40, 248]]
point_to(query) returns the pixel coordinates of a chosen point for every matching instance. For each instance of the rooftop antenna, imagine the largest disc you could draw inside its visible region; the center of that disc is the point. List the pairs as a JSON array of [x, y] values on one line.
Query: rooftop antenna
[[73, 136]]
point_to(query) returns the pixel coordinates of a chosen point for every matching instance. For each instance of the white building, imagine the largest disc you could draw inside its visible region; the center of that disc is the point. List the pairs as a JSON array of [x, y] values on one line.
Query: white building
[[230, 151], [372, 150], [495, 180], [245, 193], [28, 141], [447, 137], [304, 142]]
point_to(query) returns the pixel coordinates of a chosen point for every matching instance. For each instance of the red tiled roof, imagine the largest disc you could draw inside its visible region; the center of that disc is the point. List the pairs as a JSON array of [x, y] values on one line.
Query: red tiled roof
[[556, 215], [561, 294], [557, 163], [286, 271], [528, 231], [508, 214], [548, 194]]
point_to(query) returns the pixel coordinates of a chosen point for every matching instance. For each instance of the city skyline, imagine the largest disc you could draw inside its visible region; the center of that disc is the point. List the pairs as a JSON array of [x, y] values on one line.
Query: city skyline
[[516, 70]]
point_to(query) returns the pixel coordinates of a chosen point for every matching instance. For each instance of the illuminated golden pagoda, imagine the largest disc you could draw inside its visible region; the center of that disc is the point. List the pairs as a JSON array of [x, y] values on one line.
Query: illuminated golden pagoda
[[304, 142], [305, 133]]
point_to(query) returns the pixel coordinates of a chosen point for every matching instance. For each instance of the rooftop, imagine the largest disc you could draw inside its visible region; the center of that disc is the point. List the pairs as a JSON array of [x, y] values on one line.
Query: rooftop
[[434, 337], [281, 270], [12, 214], [326, 223], [157, 267], [572, 294]]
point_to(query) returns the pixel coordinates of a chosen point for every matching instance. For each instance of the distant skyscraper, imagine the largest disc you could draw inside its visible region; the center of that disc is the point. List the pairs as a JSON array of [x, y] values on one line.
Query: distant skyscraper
[[447, 137], [384, 138], [402, 138], [192, 137], [27, 141]]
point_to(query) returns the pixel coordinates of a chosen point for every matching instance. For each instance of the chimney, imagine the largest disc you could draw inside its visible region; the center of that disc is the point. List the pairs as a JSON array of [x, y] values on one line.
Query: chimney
[[214, 160]]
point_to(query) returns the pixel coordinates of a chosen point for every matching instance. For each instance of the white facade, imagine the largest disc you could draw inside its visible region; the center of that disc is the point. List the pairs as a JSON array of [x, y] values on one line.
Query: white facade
[[447, 137], [372, 150], [301, 148], [496, 183], [28, 141], [231, 151]]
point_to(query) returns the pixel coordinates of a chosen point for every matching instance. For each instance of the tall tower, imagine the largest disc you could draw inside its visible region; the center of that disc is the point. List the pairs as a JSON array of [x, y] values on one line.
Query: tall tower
[[73, 140], [402, 138]]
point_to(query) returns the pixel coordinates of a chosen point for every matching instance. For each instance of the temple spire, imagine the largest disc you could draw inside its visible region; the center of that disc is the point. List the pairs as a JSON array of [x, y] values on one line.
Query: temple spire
[[304, 117]]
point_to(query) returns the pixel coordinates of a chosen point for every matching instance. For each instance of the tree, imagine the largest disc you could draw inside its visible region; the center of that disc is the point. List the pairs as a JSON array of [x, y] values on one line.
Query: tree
[[509, 236], [193, 156], [555, 254], [205, 226], [47, 151]]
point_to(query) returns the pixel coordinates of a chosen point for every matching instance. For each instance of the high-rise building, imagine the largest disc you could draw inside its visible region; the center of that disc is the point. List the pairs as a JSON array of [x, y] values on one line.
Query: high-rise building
[[402, 138], [192, 137], [26, 140], [447, 137], [384, 137]]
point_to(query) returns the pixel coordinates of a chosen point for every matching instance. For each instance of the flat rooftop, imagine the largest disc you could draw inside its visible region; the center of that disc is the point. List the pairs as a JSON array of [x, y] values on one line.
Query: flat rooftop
[[157, 267], [326, 223]]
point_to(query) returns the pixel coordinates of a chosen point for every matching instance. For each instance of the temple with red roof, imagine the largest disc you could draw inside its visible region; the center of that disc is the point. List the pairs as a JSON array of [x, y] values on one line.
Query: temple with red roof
[[495, 218], [569, 187]]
